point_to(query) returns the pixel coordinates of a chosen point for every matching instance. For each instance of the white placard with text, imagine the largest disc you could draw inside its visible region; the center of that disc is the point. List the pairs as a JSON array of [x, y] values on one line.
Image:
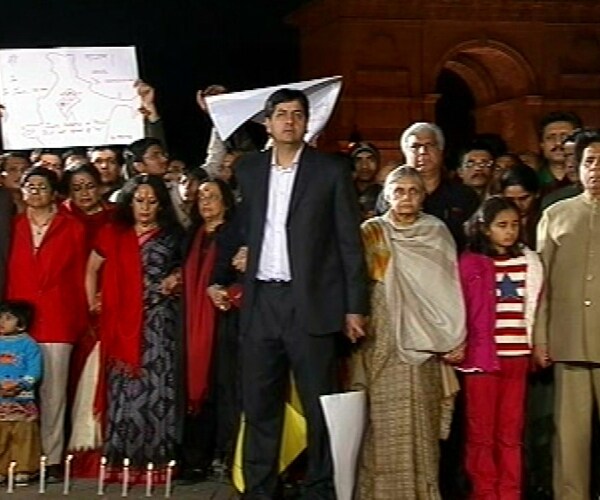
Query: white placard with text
[[62, 97]]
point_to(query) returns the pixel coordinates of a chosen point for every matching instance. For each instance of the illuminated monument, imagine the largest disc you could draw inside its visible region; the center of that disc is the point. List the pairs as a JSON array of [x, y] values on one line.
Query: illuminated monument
[[471, 65]]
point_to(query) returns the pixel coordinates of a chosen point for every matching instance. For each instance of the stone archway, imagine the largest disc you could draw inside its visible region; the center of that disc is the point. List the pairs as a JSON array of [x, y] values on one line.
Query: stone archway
[[454, 113], [503, 86]]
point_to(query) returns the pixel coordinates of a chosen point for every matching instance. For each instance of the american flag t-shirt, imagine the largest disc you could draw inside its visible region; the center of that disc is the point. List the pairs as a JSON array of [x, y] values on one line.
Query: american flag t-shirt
[[511, 331]]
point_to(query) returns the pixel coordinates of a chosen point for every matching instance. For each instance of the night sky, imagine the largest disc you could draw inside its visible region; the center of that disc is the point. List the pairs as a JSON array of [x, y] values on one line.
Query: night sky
[[182, 46]]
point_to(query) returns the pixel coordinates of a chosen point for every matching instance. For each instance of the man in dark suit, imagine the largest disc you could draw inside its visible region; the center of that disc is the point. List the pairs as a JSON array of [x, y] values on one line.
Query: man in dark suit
[[6, 212], [305, 283]]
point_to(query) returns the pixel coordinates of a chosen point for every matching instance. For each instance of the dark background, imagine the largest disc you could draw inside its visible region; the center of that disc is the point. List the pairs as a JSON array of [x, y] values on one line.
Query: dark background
[[182, 46]]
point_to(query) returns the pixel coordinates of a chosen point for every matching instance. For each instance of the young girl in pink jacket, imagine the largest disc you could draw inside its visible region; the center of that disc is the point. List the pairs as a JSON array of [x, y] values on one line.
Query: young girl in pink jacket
[[501, 281]]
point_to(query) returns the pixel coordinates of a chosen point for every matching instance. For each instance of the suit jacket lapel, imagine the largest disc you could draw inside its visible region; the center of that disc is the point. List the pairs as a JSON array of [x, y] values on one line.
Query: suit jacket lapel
[[258, 213], [302, 181], [263, 179]]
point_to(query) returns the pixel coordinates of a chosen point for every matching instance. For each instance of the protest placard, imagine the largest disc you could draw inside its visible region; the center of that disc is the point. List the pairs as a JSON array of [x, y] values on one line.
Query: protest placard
[[63, 97]]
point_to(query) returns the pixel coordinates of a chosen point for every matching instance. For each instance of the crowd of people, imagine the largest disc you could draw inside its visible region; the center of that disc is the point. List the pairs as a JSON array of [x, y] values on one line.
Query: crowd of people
[[148, 305]]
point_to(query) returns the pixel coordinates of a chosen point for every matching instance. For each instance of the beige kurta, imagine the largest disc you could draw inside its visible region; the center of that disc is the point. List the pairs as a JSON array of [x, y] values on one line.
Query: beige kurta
[[568, 319], [568, 322], [408, 411]]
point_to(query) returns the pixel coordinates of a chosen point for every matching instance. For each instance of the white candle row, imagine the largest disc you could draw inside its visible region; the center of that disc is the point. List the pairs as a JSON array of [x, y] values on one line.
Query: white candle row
[[125, 483], [101, 476]]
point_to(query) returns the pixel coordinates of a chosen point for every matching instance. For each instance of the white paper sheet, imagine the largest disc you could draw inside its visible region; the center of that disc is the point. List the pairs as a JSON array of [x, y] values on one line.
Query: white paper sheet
[[69, 97], [346, 419], [229, 111]]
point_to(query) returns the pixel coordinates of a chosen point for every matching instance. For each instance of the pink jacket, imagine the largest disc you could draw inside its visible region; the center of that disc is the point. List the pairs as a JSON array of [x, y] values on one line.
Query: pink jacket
[[478, 280]]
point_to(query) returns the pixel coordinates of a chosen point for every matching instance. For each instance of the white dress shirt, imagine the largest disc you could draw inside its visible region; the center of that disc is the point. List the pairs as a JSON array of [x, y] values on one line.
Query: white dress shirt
[[274, 261]]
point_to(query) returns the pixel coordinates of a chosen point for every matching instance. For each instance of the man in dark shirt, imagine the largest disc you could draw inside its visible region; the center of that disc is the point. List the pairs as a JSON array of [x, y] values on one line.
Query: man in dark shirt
[[572, 167], [453, 203], [366, 161], [477, 168], [423, 146], [554, 128]]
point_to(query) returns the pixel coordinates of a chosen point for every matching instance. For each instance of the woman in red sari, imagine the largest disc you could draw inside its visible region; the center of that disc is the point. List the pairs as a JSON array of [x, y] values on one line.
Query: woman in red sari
[[84, 200], [85, 203], [46, 268], [210, 330], [139, 252]]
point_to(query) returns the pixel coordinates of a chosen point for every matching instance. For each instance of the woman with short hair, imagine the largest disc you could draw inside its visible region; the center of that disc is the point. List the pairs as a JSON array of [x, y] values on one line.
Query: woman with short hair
[[46, 268], [417, 321], [211, 298]]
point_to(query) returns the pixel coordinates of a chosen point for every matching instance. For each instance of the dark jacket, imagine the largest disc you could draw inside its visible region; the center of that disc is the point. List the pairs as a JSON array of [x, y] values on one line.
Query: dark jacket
[[325, 248]]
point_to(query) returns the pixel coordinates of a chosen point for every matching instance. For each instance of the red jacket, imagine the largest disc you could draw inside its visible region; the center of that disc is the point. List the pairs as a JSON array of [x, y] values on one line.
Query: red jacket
[[478, 279], [51, 279]]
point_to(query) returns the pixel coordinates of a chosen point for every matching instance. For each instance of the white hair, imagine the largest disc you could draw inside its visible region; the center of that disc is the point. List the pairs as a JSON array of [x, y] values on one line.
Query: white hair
[[402, 172], [418, 128]]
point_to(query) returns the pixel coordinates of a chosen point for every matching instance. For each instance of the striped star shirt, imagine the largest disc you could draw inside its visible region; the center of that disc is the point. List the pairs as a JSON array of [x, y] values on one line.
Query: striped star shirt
[[511, 331]]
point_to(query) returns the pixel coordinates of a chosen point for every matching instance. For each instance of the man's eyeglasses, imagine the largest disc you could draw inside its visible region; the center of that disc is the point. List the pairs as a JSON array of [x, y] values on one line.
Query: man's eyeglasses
[[427, 146], [480, 164]]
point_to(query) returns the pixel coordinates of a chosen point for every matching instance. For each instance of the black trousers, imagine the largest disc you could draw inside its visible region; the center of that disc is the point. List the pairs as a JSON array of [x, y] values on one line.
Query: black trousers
[[274, 344]]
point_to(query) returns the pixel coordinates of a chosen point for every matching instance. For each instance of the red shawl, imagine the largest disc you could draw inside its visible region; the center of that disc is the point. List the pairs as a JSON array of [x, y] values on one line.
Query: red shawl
[[200, 318], [85, 344], [93, 223], [122, 311], [121, 317]]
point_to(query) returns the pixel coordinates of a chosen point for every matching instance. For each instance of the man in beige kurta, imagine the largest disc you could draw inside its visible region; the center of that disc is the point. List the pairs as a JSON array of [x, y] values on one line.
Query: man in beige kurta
[[567, 330]]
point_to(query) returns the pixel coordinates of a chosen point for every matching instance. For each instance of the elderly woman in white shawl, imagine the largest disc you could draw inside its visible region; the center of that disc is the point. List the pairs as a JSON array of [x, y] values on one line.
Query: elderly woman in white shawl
[[417, 325]]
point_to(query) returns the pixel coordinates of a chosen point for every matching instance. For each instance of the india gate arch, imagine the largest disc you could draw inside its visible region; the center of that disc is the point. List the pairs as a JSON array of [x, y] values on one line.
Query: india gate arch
[[492, 89], [517, 59]]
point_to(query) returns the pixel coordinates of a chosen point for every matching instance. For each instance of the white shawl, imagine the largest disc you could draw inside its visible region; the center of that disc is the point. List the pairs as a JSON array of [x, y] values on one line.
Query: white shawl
[[423, 288]]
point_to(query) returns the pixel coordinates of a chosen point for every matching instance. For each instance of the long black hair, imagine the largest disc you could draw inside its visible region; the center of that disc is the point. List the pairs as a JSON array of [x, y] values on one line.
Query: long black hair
[[477, 226], [166, 218], [521, 175]]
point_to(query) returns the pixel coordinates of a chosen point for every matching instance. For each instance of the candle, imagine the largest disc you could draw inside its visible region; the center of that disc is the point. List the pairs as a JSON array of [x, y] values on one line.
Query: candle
[[125, 477], [67, 483], [42, 474], [11, 477], [170, 466], [149, 469], [102, 476]]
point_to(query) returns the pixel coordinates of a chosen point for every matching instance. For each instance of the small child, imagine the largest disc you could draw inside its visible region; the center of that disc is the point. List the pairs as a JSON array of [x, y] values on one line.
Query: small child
[[502, 281], [20, 370]]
